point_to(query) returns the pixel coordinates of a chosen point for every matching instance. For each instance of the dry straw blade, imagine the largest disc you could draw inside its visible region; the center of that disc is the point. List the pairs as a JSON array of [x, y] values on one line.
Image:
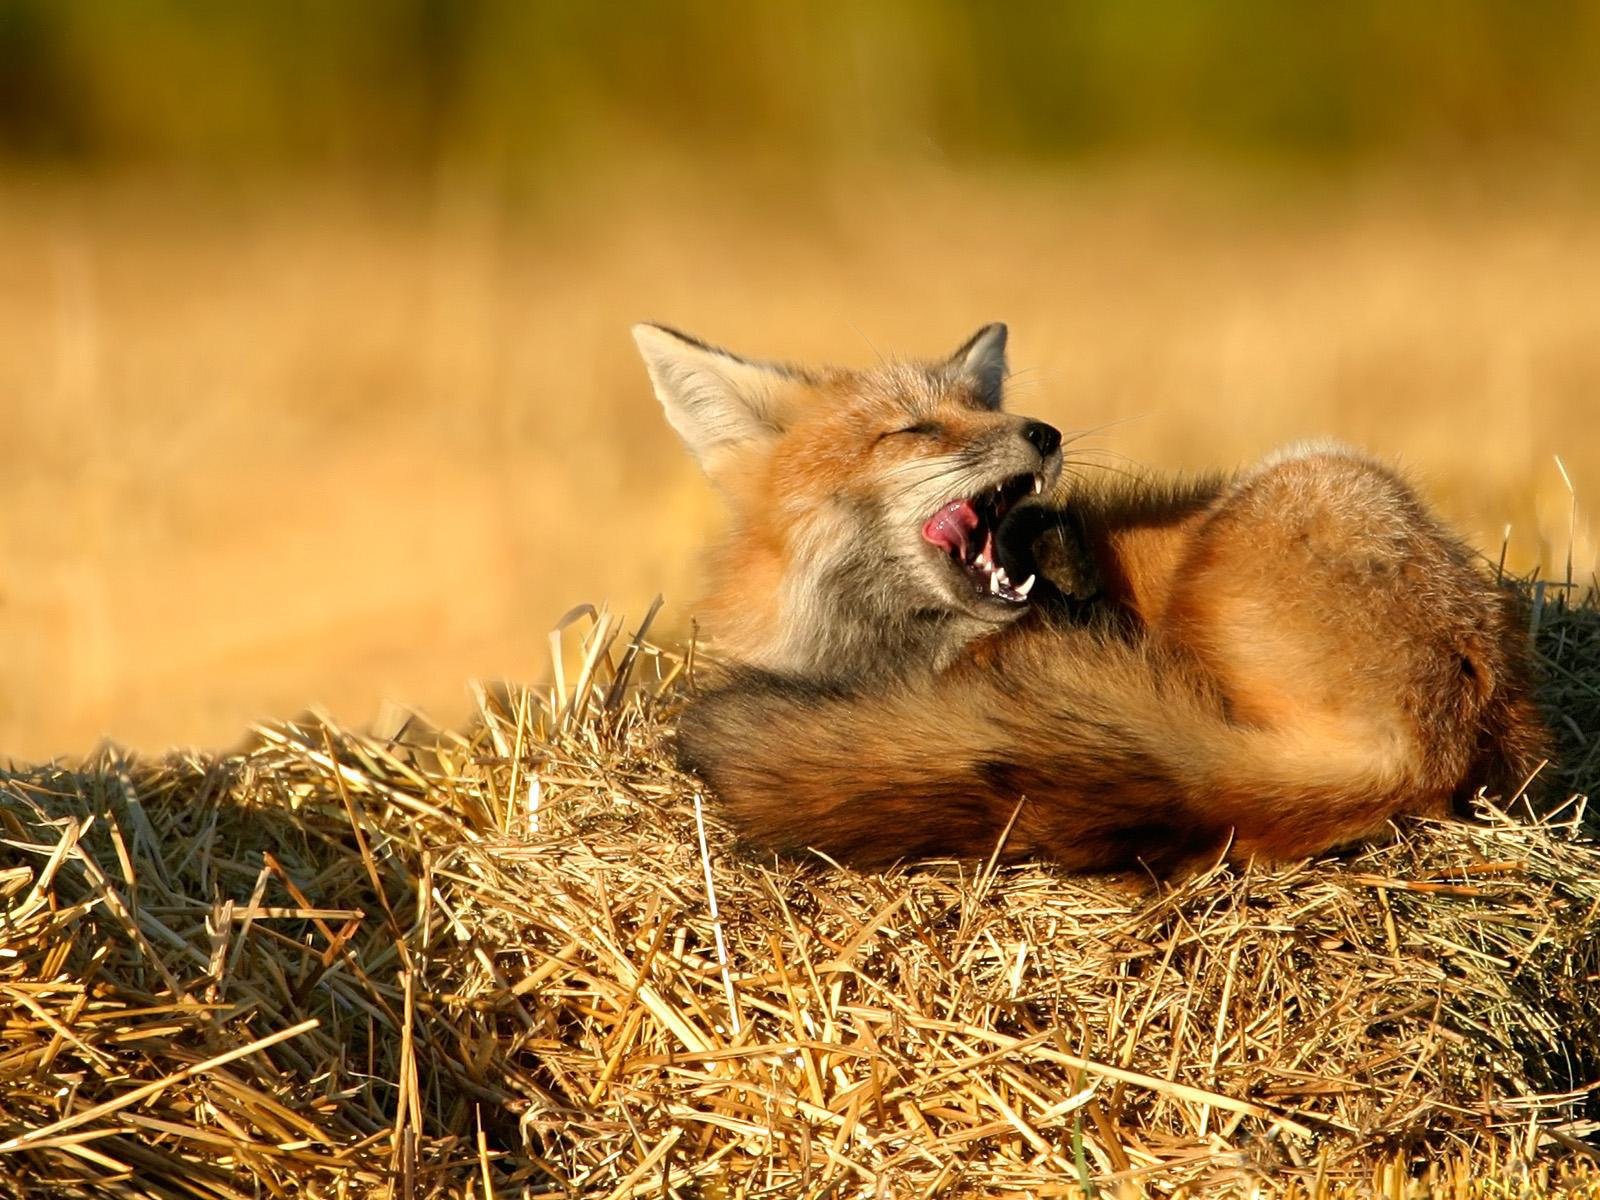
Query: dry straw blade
[[503, 962]]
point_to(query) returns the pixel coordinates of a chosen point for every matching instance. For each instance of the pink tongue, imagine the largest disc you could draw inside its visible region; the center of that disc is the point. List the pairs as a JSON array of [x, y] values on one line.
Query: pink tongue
[[950, 526]]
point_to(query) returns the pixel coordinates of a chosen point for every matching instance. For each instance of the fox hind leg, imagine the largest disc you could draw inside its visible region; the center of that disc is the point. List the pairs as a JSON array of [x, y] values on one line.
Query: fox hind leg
[[1326, 600]]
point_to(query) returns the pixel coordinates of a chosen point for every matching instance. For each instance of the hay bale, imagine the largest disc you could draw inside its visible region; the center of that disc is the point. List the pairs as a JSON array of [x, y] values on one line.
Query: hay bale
[[486, 962]]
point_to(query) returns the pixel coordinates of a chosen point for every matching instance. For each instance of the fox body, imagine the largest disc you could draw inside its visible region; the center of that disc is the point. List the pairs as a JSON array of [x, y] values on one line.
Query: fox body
[[937, 649]]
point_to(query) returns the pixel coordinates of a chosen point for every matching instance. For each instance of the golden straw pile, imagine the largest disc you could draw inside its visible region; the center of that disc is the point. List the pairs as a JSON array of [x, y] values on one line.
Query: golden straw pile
[[503, 963]]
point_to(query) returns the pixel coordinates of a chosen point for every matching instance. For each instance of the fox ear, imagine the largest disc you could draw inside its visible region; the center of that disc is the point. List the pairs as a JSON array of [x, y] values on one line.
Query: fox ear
[[981, 363], [715, 400]]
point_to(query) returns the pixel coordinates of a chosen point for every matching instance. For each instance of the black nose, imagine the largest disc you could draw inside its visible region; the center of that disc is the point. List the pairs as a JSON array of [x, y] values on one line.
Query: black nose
[[1046, 439]]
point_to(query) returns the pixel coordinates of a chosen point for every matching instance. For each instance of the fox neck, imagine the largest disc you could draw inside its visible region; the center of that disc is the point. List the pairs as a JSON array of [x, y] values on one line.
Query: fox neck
[[832, 622], [856, 644]]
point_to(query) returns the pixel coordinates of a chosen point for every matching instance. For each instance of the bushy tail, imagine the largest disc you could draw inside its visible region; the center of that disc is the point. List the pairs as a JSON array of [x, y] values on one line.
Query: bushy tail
[[1106, 752]]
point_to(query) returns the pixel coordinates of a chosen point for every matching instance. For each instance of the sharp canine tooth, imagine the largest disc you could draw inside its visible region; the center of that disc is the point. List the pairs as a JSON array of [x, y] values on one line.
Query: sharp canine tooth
[[1025, 586], [1038, 484], [1000, 574], [994, 584]]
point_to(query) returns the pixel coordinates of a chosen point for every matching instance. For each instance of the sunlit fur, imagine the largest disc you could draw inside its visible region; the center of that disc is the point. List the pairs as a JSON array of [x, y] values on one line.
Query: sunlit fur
[[1271, 664]]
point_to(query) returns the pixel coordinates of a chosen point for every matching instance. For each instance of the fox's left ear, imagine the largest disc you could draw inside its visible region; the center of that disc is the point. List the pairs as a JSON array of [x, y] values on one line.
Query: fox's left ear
[[720, 404], [981, 363]]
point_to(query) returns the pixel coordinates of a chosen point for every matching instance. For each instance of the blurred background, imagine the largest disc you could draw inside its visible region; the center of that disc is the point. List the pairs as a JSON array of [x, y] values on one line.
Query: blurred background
[[315, 376]]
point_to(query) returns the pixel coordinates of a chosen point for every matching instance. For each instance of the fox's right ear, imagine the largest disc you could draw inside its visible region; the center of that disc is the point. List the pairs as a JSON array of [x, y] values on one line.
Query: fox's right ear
[[981, 362], [716, 401]]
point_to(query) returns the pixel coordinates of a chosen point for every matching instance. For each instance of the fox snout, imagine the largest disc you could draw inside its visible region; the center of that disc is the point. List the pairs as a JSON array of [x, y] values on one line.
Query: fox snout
[[1000, 444], [1046, 439], [1001, 441]]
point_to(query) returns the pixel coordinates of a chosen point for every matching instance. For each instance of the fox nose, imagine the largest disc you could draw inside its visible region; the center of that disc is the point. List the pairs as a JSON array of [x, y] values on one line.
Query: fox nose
[[1046, 439]]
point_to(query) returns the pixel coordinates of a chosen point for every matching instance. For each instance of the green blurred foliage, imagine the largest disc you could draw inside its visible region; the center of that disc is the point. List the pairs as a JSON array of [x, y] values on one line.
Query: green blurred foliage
[[407, 83]]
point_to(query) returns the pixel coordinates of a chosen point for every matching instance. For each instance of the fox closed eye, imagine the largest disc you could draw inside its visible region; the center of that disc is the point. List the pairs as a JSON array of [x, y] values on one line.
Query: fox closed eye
[[920, 429]]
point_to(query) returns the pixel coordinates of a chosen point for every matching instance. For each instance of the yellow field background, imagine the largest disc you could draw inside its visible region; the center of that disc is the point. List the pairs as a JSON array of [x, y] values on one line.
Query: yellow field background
[[323, 444], [315, 377]]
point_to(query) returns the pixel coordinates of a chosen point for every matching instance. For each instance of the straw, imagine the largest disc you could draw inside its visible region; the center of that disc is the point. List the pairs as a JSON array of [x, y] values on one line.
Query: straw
[[502, 961]]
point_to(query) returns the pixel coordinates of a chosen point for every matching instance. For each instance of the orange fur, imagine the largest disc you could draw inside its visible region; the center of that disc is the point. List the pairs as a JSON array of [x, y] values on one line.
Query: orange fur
[[1280, 663]]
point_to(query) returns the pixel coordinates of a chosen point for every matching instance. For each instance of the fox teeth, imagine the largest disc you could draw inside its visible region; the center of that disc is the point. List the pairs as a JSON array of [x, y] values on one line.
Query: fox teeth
[[1038, 484], [1002, 577], [994, 584], [1025, 587]]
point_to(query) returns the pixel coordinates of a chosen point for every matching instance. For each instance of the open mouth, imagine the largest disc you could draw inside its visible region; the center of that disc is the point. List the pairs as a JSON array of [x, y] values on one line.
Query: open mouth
[[965, 530]]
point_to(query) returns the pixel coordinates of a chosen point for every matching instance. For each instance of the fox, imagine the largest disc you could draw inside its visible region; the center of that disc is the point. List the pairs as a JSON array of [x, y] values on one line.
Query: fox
[[937, 642]]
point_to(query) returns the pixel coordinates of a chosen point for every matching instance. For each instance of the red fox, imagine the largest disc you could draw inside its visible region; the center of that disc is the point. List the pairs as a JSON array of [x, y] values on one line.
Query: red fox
[[937, 648]]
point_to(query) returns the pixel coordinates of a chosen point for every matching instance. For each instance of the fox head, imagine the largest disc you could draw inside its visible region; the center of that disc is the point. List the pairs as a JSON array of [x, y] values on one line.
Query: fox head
[[865, 503]]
